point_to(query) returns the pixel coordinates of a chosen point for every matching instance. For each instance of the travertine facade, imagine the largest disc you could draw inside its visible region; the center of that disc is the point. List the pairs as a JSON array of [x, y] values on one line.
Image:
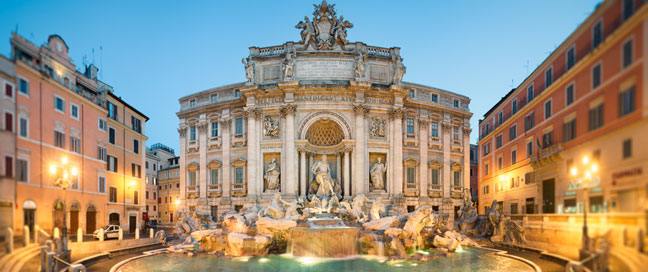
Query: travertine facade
[[324, 99]]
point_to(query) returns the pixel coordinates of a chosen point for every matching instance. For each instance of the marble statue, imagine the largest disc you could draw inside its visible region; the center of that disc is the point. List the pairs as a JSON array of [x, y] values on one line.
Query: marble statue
[[377, 128], [377, 173], [291, 209], [272, 175], [467, 217], [326, 30], [340, 30], [270, 127], [279, 208], [504, 230], [288, 65], [360, 62], [399, 70], [376, 208], [323, 178], [249, 69], [355, 209], [307, 32]]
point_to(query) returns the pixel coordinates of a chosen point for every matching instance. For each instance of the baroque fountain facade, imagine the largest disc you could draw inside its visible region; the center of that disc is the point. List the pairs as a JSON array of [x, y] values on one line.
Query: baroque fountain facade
[[325, 151]]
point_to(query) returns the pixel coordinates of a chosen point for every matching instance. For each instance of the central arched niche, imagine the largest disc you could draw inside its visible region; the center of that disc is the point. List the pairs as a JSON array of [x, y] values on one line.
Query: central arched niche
[[324, 132]]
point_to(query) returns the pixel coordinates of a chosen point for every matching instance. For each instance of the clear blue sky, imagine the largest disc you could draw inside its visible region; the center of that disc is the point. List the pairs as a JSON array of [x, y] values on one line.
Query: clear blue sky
[[155, 52]]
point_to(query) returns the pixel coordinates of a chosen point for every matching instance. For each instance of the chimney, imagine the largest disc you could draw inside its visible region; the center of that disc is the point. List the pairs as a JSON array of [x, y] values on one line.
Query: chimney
[[91, 71]]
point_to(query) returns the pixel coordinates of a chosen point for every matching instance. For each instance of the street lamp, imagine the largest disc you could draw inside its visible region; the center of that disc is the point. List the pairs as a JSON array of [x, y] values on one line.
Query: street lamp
[[585, 180], [64, 174]]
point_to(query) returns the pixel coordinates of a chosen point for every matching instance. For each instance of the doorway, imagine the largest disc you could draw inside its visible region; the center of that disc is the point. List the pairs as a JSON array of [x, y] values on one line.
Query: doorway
[[132, 223], [74, 221], [113, 219], [548, 196], [91, 219], [30, 218]]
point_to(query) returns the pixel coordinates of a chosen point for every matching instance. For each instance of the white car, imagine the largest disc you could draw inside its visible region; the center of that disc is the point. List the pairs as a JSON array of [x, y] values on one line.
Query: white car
[[110, 231]]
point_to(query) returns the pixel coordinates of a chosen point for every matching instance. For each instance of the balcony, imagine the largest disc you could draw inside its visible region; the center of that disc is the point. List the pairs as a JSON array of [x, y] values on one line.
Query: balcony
[[239, 189], [214, 142], [193, 191], [192, 146], [435, 190], [547, 155], [239, 140], [457, 192], [434, 143], [214, 190], [411, 189]]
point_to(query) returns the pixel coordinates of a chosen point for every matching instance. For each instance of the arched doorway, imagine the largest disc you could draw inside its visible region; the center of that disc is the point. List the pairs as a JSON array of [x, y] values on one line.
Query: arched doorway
[[91, 219], [74, 217], [57, 215], [113, 219], [29, 214]]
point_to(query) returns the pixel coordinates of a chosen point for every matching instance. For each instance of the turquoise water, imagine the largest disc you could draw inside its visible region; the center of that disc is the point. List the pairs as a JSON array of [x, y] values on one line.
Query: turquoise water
[[470, 260]]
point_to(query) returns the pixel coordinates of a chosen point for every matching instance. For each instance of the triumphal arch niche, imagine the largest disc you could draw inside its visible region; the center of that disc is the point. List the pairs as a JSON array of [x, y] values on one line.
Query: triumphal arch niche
[[324, 115]]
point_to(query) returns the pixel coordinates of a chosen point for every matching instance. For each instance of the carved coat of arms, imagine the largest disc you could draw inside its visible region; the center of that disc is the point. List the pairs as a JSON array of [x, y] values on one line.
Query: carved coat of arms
[[326, 30]]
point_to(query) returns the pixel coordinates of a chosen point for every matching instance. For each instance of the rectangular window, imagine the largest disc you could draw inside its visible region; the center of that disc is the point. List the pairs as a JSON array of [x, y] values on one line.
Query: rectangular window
[[238, 126], [9, 91], [435, 129], [514, 106], [237, 93], [514, 208], [112, 111], [113, 194], [455, 133], [136, 124], [136, 170], [59, 104], [136, 197], [214, 98], [101, 153], [571, 58], [500, 117], [529, 148], [500, 163], [191, 177], [411, 94], [486, 189], [214, 129], [213, 176], [22, 169], [548, 77], [435, 177], [75, 145], [627, 101], [23, 86], [596, 117], [239, 175], [498, 141], [111, 135], [547, 109], [486, 169], [596, 76], [627, 54], [74, 111], [628, 9], [627, 148], [8, 122], [486, 149], [411, 175], [112, 163], [597, 34], [435, 98], [192, 103], [547, 139], [529, 177], [8, 166], [513, 157], [59, 139], [135, 146], [410, 126], [513, 132], [192, 133], [102, 184], [569, 94], [529, 122], [569, 130], [457, 178], [530, 93], [101, 124], [456, 103]]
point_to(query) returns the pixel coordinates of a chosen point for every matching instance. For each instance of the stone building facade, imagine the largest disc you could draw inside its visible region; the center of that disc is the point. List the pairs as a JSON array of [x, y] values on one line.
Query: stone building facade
[[324, 100], [8, 146], [158, 157], [571, 135]]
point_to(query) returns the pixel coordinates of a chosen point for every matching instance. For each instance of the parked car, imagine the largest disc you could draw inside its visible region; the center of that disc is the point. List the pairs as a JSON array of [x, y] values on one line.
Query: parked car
[[110, 231]]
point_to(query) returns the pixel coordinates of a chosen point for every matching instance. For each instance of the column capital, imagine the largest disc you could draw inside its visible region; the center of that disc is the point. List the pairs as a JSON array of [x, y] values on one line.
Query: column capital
[[225, 122], [396, 113], [423, 123], [182, 131], [446, 127], [202, 126], [288, 109], [252, 112], [467, 131], [360, 109]]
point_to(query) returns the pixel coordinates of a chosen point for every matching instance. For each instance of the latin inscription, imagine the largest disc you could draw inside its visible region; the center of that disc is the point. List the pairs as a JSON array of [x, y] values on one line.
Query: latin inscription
[[271, 72], [324, 69]]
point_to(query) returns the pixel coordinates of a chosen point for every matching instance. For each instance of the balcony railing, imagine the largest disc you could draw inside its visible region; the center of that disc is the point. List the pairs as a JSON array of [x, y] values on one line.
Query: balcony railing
[[193, 191], [411, 189], [239, 189], [214, 190]]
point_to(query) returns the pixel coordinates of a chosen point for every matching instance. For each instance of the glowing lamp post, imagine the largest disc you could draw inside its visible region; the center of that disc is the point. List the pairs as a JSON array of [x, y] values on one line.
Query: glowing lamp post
[[584, 179], [63, 174]]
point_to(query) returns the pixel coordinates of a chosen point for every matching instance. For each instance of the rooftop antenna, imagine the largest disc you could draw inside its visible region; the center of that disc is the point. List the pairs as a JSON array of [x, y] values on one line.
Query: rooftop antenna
[[101, 61], [85, 60]]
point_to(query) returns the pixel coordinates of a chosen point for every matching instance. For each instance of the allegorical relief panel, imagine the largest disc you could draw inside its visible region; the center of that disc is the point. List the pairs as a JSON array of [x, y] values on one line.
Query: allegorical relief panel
[[271, 127], [377, 127]]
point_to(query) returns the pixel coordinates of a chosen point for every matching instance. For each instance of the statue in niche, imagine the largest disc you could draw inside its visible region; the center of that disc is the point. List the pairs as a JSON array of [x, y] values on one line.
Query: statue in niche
[[399, 70], [323, 178], [360, 62], [249, 68], [377, 128], [270, 127], [289, 65], [377, 172], [272, 175]]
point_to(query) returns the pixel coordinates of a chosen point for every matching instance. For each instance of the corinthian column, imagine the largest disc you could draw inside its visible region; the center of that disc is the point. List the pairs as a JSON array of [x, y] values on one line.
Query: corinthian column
[[347, 174], [252, 152], [359, 163], [302, 180], [396, 116], [226, 171], [289, 141], [202, 174]]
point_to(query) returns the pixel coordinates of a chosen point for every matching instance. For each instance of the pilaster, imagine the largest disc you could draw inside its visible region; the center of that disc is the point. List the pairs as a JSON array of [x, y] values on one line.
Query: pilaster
[[396, 116], [423, 157], [446, 130], [202, 143], [226, 172], [182, 131]]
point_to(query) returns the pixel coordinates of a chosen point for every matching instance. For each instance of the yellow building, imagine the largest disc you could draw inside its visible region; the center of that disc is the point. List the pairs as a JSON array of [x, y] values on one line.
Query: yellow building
[[169, 192]]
